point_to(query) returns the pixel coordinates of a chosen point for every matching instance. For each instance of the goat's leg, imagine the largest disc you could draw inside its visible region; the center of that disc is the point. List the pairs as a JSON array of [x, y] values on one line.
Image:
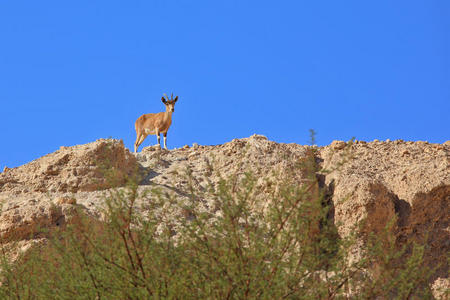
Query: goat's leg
[[139, 141], [136, 144], [165, 139], [158, 137]]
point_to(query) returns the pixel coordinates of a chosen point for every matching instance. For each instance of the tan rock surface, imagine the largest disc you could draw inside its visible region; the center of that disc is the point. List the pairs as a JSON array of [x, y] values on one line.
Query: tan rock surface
[[208, 164], [405, 168], [377, 181], [72, 169], [381, 179], [30, 219]]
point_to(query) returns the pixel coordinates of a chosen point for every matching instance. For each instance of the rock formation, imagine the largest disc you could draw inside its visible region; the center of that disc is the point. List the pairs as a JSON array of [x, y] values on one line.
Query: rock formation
[[72, 169], [372, 181]]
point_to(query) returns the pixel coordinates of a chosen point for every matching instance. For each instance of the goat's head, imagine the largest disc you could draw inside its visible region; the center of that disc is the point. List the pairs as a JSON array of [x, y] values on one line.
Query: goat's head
[[169, 103]]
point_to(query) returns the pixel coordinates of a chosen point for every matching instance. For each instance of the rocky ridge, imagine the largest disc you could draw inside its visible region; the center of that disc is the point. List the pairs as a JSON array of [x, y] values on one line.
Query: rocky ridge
[[378, 180]]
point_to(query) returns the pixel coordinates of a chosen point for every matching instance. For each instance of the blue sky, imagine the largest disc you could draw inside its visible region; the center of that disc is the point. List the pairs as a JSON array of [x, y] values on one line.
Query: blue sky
[[72, 72]]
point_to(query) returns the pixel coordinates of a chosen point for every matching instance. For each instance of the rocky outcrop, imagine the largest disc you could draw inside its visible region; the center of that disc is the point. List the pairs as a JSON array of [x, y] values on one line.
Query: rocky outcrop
[[98, 165], [206, 165], [371, 182], [38, 197], [27, 220], [410, 180], [405, 168]]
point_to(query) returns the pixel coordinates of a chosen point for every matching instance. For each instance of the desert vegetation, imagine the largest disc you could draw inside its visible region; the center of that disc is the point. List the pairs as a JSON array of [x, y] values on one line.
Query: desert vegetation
[[286, 246]]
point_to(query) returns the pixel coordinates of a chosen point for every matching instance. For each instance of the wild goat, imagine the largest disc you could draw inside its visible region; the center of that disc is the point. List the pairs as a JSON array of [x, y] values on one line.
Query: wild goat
[[155, 123]]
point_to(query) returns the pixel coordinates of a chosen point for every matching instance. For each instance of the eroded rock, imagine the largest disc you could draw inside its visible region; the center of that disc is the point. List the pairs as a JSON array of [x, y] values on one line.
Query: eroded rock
[[102, 164], [369, 182]]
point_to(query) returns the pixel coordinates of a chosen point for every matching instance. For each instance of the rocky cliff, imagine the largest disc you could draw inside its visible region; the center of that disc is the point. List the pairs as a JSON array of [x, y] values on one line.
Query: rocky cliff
[[378, 180]]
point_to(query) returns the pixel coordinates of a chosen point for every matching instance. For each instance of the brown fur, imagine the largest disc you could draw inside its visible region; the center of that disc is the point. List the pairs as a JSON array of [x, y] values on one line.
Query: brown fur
[[154, 123]]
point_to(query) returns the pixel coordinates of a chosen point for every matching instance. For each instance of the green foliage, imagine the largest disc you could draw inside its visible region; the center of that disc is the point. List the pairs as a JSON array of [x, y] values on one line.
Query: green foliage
[[395, 272], [285, 248]]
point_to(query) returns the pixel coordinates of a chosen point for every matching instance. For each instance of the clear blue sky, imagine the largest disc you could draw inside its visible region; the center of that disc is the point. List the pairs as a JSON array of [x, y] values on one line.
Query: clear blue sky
[[72, 72]]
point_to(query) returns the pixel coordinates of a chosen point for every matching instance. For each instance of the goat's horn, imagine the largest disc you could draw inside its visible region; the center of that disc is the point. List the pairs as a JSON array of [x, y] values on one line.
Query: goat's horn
[[171, 97]]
